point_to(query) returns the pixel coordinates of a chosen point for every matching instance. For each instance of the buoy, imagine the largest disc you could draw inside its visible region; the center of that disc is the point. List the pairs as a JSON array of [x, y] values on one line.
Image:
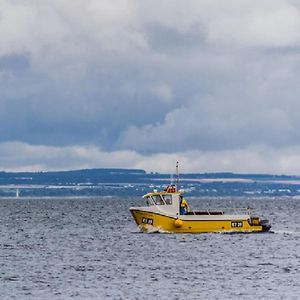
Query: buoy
[[178, 223]]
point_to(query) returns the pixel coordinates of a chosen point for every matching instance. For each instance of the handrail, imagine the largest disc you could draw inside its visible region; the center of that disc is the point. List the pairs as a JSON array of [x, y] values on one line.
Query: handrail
[[235, 209]]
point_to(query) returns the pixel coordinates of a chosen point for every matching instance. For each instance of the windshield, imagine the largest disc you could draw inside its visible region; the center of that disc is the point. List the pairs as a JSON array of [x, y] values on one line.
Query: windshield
[[149, 201], [168, 199], [158, 200]]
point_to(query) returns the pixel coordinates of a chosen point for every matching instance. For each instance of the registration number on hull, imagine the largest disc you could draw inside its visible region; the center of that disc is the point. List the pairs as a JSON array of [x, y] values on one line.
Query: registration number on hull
[[147, 221], [236, 224]]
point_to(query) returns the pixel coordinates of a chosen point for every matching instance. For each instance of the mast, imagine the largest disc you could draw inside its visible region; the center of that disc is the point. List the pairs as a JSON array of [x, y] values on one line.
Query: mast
[[177, 176]]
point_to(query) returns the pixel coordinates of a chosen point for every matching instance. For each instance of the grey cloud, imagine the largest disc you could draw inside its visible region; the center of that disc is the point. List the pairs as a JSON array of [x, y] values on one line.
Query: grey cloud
[[164, 39], [171, 77]]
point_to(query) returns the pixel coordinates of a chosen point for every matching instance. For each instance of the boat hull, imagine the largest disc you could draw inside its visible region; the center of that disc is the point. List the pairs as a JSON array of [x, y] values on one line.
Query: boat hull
[[155, 222]]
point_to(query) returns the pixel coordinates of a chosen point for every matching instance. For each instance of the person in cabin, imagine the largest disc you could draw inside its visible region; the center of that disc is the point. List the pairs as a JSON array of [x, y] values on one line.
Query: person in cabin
[[184, 207]]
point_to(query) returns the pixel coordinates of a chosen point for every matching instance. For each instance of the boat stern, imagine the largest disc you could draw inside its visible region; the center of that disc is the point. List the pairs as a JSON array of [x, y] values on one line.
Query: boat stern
[[266, 226]]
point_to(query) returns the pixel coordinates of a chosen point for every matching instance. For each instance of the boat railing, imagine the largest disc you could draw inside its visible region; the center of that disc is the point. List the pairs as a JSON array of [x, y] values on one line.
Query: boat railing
[[238, 210], [221, 211]]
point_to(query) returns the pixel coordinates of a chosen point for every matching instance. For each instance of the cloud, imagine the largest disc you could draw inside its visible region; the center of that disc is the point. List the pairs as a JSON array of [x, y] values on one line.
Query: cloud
[[22, 156], [256, 25], [18, 156], [163, 92], [215, 124], [144, 78]]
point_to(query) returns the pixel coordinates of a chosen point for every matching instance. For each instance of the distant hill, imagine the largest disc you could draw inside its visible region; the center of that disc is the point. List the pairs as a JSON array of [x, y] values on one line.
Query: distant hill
[[132, 182], [73, 176]]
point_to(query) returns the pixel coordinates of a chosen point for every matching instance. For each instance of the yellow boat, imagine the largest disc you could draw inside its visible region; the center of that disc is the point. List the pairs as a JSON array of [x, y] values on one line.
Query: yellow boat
[[164, 213]]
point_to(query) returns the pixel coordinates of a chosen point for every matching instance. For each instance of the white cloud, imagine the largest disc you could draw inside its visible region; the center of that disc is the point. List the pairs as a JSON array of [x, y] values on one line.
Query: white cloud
[[268, 24], [22, 156], [60, 34], [18, 156], [163, 92], [215, 123]]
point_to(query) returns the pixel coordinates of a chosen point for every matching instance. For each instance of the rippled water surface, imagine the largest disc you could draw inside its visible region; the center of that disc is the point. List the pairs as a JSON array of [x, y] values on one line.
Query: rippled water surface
[[91, 249]]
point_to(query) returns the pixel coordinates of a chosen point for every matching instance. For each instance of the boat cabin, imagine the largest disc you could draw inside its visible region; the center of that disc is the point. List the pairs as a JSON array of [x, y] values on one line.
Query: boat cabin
[[169, 203], [164, 201]]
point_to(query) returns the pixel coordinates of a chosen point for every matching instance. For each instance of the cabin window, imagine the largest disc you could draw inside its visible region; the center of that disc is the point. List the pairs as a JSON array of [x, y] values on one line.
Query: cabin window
[[168, 199], [149, 201], [158, 200]]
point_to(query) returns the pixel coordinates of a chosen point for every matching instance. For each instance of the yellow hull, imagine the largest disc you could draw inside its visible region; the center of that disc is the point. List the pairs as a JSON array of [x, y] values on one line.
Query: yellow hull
[[153, 222]]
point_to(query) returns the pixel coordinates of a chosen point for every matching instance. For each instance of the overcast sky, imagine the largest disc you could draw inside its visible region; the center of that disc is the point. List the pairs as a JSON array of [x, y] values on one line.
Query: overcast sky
[[142, 84]]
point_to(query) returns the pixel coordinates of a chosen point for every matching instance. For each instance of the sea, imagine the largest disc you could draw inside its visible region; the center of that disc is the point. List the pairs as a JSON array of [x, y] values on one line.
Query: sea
[[90, 248]]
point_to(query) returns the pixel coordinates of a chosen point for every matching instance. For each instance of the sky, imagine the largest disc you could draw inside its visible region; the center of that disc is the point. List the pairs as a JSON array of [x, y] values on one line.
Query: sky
[[212, 84]]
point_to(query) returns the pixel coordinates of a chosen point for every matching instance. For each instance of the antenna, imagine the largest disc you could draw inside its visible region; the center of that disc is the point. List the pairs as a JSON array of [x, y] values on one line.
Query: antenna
[[177, 174], [171, 178]]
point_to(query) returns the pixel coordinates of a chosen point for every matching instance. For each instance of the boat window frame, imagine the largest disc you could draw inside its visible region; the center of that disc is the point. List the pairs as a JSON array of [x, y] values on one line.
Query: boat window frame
[[149, 201], [170, 199], [161, 198]]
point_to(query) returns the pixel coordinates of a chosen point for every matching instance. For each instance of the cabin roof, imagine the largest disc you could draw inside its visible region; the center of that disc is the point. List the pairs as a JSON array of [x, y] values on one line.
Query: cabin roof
[[161, 193]]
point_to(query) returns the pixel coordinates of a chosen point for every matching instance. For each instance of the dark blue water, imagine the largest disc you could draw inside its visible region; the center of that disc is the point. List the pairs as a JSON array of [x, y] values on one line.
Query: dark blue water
[[91, 249]]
